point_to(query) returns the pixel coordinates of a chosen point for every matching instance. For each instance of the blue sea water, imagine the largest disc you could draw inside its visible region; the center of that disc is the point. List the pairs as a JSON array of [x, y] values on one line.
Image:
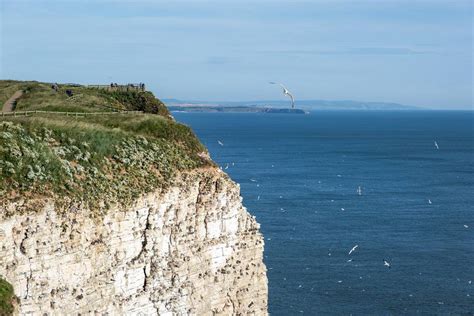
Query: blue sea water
[[299, 176]]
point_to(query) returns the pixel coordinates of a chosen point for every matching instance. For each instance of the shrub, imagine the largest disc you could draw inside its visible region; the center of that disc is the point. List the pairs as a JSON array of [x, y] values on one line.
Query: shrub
[[139, 101], [7, 298]]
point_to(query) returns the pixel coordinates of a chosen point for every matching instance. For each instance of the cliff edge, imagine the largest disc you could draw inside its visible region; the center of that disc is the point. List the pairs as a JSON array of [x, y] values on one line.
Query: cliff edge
[[120, 214]]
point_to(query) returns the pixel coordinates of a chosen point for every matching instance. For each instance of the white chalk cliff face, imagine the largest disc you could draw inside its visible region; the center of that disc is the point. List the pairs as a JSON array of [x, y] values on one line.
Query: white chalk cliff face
[[191, 249]]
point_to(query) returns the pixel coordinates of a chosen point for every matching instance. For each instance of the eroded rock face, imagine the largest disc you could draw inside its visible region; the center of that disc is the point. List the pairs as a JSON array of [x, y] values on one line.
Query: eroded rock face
[[191, 249]]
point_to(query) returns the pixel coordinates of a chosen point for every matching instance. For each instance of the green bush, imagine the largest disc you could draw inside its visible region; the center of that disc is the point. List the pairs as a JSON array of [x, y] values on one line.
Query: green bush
[[7, 298], [139, 101]]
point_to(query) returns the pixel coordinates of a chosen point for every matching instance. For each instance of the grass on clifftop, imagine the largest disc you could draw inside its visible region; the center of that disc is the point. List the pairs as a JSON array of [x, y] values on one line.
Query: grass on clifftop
[[113, 159], [8, 88], [6, 298], [97, 160], [41, 96]]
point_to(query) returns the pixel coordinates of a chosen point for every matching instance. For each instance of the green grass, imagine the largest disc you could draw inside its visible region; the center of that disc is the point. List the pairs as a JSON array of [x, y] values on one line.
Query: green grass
[[6, 298], [8, 88], [150, 126], [41, 96], [138, 101], [90, 160]]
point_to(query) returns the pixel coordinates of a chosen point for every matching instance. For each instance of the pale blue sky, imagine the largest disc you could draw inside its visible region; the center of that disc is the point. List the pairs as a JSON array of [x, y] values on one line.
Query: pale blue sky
[[416, 52]]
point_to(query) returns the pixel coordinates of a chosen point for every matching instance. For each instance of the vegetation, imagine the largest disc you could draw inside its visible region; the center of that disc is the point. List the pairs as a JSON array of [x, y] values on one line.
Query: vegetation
[[7, 298], [8, 88], [139, 101], [94, 159], [41, 96]]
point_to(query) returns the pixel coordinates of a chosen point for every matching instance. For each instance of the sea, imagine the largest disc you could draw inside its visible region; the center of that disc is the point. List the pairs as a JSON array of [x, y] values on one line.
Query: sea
[[396, 187]]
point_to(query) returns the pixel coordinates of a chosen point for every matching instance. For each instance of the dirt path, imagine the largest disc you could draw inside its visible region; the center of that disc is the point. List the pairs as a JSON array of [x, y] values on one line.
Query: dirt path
[[10, 104]]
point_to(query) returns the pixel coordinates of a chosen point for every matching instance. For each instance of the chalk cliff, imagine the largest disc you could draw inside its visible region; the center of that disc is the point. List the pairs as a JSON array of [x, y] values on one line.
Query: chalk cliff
[[191, 248], [110, 206]]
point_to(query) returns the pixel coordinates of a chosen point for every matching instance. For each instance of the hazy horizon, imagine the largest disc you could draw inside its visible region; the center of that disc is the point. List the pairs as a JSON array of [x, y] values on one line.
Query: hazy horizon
[[304, 103], [415, 53]]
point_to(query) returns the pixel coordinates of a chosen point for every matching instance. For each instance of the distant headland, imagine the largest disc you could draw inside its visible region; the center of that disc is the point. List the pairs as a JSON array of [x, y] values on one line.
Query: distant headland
[[234, 109], [281, 106]]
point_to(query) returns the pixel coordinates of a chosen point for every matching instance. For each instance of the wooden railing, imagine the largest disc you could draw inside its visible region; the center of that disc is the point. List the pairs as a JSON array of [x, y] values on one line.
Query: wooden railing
[[75, 114], [119, 87]]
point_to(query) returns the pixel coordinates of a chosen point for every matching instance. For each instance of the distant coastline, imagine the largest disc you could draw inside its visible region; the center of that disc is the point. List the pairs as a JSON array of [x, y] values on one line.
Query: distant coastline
[[234, 109], [281, 106]]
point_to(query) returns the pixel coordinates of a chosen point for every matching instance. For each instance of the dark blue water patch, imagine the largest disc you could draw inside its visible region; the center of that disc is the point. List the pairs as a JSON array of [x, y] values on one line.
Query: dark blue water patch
[[299, 175]]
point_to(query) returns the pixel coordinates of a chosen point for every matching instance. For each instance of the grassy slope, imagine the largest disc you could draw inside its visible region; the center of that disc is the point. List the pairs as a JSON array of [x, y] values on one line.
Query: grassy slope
[[112, 158], [8, 88], [40, 96]]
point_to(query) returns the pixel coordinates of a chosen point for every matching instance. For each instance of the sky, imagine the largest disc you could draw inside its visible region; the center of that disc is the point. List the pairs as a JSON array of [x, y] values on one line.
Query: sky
[[414, 52]]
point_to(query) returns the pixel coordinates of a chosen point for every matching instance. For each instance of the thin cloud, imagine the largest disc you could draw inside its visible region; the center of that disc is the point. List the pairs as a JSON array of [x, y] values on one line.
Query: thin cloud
[[218, 60], [354, 51]]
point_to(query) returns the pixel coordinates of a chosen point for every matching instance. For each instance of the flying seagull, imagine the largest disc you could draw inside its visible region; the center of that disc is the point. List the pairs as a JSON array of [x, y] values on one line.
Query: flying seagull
[[436, 145], [220, 143], [353, 249], [386, 263], [287, 93]]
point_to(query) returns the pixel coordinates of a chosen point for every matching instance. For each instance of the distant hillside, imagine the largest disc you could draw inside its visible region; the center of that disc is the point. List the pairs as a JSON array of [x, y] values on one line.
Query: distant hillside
[[301, 104]]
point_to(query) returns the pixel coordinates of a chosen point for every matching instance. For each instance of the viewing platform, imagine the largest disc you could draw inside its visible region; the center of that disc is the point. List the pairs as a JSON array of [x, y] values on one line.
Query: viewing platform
[[140, 87]]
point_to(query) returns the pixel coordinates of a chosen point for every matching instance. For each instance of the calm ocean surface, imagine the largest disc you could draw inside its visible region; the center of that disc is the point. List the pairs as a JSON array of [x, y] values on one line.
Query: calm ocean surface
[[299, 176]]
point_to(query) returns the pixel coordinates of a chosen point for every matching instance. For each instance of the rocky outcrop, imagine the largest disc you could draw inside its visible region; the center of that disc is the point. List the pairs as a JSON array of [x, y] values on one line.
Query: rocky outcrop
[[189, 249]]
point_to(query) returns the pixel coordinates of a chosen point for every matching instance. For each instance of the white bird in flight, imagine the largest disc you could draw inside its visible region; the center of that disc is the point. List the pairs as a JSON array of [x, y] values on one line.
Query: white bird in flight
[[386, 263], [436, 145], [353, 249], [220, 143], [286, 92]]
